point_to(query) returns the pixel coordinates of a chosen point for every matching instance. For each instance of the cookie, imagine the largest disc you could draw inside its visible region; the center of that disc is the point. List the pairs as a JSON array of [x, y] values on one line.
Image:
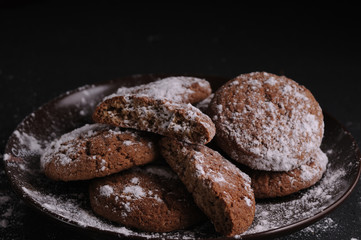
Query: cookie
[[218, 187], [161, 116], [267, 184], [179, 89], [267, 122], [151, 198], [96, 150]]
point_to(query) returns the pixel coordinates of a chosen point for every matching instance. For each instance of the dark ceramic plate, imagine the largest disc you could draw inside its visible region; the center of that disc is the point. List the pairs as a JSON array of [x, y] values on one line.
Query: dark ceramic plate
[[68, 202]]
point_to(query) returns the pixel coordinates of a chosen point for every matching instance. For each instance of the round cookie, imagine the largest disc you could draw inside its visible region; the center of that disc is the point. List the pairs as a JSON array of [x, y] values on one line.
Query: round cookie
[[220, 189], [151, 199], [96, 150], [268, 184], [267, 122]]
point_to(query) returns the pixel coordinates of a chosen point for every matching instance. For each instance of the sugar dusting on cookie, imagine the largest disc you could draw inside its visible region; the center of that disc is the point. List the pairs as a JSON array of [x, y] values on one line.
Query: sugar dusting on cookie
[[311, 202], [64, 150], [95, 150], [176, 88], [106, 190], [277, 124], [222, 175], [308, 172], [133, 191]]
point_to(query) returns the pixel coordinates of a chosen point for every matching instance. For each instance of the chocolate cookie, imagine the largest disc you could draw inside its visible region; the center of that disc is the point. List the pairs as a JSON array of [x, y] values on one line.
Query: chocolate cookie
[[150, 198], [179, 89], [267, 122], [268, 184], [161, 116], [219, 188], [96, 150]]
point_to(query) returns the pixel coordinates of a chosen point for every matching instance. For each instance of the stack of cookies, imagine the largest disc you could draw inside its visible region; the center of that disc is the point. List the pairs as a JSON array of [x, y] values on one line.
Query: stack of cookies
[[150, 168]]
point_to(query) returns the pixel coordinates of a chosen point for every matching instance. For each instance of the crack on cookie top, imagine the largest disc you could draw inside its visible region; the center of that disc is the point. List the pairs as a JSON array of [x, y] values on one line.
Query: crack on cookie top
[[67, 147]]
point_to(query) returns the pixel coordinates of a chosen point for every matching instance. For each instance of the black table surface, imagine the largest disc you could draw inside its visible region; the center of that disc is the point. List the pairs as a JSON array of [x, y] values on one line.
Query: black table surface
[[47, 48]]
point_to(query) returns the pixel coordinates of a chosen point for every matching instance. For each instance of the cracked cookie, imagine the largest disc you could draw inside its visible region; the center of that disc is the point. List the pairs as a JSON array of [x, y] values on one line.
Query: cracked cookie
[[162, 116], [150, 198], [267, 122], [221, 190], [96, 150], [268, 184]]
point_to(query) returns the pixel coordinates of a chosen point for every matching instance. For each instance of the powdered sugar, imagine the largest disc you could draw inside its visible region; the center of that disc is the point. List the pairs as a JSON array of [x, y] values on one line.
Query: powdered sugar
[[308, 172], [31, 142], [106, 190], [134, 180], [30, 145], [6, 157], [177, 89], [161, 172], [134, 192], [271, 81], [10, 216], [224, 175], [203, 105], [325, 224], [248, 201], [128, 143], [317, 230]]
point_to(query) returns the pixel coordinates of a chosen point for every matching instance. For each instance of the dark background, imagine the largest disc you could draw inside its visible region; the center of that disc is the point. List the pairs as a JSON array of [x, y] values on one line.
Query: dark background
[[47, 48]]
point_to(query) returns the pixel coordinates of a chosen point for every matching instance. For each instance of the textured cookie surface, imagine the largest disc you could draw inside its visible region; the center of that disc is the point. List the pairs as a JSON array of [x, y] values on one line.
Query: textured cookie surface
[[161, 116], [179, 89], [267, 122], [96, 150], [267, 184], [218, 187], [151, 198]]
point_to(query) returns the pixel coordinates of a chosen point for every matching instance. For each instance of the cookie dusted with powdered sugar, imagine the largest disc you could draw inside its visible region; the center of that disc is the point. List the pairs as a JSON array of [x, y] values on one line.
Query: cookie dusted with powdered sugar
[[219, 188], [267, 184], [267, 122], [179, 89], [151, 198], [161, 116], [96, 150]]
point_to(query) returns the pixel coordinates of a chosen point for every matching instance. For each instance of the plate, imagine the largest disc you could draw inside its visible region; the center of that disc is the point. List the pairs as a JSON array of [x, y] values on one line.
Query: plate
[[68, 202]]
